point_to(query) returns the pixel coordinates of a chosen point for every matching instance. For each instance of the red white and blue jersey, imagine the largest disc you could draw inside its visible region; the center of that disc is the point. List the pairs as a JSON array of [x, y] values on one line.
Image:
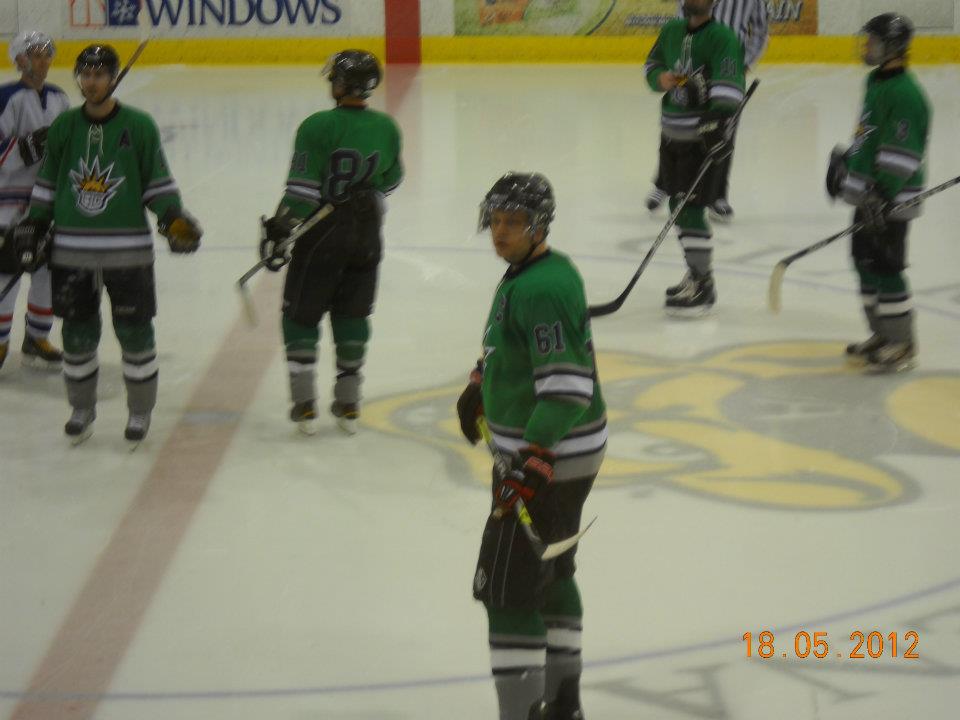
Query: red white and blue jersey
[[22, 110]]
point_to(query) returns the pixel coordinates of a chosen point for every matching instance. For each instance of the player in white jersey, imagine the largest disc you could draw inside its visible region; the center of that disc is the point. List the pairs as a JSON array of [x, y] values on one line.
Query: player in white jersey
[[27, 107], [749, 20]]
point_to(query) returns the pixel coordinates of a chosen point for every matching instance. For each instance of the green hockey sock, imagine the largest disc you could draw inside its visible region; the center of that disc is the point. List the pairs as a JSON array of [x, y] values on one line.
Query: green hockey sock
[[300, 342], [563, 616], [517, 659]]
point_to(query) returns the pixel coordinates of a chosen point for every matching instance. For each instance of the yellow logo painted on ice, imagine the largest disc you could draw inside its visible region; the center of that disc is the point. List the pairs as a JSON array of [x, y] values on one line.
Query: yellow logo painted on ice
[[777, 425]]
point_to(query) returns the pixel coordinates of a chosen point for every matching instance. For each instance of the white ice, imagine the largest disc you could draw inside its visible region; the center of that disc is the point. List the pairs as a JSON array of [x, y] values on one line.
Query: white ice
[[752, 481]]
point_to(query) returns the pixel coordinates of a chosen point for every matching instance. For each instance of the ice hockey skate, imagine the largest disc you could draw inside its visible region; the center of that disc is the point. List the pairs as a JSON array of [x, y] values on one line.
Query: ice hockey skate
[[857, 353], [4, 349], [304, 414], [80, 425], [680, 286], [694, 300], [40, 354], [566, 706], [720, 211], [892, 358], [346, 415], [138, 424]]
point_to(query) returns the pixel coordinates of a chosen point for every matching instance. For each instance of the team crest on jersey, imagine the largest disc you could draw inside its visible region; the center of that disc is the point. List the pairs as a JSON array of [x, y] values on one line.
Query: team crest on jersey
[[94, 188], [864, 131], [780, 425]]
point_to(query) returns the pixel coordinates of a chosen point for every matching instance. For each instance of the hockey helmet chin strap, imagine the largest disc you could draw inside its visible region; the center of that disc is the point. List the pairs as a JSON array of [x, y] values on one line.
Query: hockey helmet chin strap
[[532, 229]]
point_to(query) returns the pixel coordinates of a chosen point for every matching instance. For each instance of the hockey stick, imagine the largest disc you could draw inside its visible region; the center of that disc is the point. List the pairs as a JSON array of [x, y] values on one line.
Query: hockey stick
[[543, 550], [248, 307], [10, 285], [617, 302], [775, 291], [130, 62]]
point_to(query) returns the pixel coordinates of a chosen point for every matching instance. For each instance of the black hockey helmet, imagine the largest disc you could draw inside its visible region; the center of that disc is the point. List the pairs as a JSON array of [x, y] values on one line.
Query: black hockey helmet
[[520, 191], [357, 71], [97, 56], [894, 31]]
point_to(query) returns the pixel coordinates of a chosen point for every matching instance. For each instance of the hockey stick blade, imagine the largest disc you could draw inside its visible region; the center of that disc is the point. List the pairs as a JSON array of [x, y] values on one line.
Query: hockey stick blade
[[246, 300], [249, 310], [776, 287], [776, 278], [561, 546], [543, 550], [615, 304]]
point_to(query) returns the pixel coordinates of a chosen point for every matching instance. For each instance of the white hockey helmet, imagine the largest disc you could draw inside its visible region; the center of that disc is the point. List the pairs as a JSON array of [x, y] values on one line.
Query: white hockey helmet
[[28, 40]]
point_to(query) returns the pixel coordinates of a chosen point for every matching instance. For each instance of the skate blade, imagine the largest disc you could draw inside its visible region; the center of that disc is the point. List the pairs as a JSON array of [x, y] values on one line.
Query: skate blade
[[307, 427], [82, 437], [721, 219], [347, 425], [689, 313], [891, 369], [36, 363]]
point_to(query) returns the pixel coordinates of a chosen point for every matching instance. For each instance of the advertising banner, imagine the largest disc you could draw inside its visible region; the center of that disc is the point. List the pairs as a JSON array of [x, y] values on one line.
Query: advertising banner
[[604, 17], [226, 18]]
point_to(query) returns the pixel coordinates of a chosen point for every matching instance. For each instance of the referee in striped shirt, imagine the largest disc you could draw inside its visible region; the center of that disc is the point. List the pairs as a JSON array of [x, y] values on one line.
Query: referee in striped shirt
[[748, 19]]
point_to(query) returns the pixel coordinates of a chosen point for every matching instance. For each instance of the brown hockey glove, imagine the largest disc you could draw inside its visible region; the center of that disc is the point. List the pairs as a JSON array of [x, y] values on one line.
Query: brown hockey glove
[[470, 406], [181, 230], [532, 472]]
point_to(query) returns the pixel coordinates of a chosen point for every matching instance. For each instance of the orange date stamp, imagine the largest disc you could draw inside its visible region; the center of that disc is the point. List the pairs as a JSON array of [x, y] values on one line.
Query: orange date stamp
[[861, 646]]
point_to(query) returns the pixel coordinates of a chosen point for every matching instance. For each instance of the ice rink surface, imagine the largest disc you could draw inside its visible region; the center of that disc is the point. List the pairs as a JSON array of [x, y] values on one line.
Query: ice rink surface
[[232, 569]]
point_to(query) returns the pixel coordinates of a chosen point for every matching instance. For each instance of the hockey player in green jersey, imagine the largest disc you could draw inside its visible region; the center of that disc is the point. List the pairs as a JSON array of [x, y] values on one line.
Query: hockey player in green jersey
[[883, 167], [347, 158], [104, 164], [698, 64], [537, 387]]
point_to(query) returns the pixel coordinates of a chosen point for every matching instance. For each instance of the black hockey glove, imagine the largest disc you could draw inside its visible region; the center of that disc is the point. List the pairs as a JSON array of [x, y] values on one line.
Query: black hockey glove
[[470, 406], [32, 146], [693, 91], [31, 243], [533, 471], [873, 212], [712, 130], [273, 232], [9, 265], [836, 171], [181, 230]]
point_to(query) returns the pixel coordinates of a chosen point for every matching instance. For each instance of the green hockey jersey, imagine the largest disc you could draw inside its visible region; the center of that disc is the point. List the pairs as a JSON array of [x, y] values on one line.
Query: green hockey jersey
[[712, 50], [96, 178], [338, 149], [887, 154], [540, 380]]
